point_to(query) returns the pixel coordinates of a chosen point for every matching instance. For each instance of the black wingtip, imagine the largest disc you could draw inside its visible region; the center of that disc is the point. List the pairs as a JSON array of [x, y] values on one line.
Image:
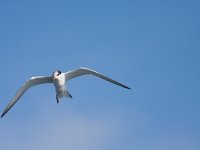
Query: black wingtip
[[5, 111], [126, 87], [2, 115]]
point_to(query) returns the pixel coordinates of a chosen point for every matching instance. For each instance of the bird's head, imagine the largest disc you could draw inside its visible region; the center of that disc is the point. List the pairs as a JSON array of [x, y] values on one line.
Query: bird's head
[[56, 74]]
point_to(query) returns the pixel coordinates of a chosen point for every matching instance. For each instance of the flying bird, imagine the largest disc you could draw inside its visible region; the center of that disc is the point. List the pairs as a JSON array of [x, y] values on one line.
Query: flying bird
[[58, 79]]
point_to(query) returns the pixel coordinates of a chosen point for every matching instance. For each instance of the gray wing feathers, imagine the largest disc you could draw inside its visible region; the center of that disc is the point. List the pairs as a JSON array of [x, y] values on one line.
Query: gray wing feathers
[[85, 71], [31, 82]]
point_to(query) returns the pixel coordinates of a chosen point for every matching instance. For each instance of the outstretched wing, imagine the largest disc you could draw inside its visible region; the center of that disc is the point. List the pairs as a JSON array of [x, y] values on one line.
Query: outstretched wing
[[85, 71], [31, 82]]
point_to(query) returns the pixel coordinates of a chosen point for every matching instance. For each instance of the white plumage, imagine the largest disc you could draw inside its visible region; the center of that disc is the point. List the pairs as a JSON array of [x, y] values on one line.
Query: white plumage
[[58, 79]]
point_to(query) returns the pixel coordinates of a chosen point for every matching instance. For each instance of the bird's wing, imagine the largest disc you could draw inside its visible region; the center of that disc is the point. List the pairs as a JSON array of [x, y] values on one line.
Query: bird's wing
[[31, 82], [85, 71]]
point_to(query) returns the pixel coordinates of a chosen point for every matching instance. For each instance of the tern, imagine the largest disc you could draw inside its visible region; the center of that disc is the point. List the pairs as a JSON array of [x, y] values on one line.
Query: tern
[[58, 79]]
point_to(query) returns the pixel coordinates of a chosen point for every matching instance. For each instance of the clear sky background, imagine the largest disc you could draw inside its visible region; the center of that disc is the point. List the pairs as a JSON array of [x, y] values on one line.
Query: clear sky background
[[151, 46]]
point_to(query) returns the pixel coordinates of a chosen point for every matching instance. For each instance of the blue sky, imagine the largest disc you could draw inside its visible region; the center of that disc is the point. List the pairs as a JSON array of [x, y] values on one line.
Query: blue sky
[[151, 46]]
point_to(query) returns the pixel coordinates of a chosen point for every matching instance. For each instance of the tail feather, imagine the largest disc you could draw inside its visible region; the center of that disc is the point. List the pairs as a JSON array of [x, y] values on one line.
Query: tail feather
[[68, 94], [57, 99], [62, 94]]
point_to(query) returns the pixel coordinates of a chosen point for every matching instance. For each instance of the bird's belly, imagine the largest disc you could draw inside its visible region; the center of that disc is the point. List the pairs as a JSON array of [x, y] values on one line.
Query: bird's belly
[[59, 86]]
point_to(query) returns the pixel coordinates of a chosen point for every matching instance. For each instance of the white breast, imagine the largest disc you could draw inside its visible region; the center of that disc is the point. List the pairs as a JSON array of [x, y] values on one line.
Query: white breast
[[59, 83]]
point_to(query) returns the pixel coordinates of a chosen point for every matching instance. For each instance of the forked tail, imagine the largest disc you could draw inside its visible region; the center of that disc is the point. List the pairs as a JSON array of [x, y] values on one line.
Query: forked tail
[[68, 94], [62, 94]]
